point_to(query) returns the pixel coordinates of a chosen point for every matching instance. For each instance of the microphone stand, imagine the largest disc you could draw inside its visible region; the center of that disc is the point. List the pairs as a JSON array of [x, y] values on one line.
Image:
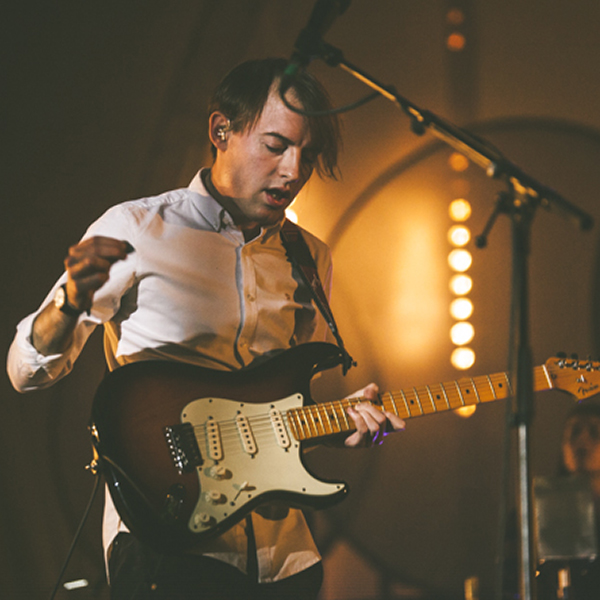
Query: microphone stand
[[520, 201]]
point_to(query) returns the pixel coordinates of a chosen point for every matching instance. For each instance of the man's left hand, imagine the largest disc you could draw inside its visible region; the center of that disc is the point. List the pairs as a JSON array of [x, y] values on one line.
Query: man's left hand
[[372, 424]]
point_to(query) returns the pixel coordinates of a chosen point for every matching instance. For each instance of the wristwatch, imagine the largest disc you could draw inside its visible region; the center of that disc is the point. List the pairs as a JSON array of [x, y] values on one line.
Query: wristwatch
[[62, 302]]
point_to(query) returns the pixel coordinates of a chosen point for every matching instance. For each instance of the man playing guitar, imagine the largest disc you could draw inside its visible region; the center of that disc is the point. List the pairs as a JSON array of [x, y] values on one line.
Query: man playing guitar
[[199, 276]]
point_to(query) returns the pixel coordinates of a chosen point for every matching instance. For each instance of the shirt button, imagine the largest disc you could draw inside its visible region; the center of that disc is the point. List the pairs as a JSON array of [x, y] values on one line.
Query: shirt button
[[250, 297]]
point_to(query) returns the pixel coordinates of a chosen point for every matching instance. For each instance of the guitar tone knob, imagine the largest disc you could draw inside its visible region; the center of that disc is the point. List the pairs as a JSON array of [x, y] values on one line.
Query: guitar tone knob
[[213, 497], [202, 520]]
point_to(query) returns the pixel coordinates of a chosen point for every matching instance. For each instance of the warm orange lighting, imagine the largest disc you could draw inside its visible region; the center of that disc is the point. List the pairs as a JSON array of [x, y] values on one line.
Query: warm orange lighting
[[458, 162], [460, 260], [465, 411], [460, 210], [462, 333], [459, 235], [461, 308], [461, 284], [455, 16], [462, 358], [456, 42], [291, 215]]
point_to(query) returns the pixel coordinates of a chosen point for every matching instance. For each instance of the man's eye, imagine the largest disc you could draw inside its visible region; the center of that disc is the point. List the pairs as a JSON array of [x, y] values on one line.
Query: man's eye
[[276, 149]]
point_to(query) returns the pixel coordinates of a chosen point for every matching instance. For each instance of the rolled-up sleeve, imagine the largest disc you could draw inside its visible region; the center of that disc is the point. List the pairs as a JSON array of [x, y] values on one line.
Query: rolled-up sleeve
[[28, 369]]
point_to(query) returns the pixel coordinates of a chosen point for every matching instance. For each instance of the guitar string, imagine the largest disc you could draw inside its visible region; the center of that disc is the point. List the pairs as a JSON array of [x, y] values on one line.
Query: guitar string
[[309, 419], [230, 426], [429, 399], [262, 425], [324, 418], [312, 417]]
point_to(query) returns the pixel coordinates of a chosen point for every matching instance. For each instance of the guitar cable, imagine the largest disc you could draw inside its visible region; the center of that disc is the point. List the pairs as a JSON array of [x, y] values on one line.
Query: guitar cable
[[95, 469], [84, 518], [132, 483]]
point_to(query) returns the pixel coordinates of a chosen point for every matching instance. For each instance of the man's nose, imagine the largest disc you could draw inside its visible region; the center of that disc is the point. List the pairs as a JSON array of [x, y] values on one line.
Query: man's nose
[[290, 164]]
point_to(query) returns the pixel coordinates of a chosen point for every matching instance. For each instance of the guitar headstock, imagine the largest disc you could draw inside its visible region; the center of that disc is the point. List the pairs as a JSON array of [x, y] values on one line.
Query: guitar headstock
[[578, 377]]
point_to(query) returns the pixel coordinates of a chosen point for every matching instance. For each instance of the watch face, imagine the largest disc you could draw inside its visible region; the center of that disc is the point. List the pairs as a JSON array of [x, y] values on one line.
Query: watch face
[[60, 298]]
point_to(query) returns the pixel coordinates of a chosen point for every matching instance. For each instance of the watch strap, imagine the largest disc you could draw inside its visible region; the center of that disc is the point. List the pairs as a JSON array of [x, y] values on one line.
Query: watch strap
[[66, 307]]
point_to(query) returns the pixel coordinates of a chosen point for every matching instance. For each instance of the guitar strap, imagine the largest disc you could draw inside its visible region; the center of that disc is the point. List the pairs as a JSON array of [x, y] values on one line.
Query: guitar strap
[[299, 254]]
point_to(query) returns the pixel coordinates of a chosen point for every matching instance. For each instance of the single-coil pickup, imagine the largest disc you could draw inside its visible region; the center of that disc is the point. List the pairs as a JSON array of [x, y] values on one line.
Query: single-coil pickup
[[281, 433], [246, 435], [213, 439]]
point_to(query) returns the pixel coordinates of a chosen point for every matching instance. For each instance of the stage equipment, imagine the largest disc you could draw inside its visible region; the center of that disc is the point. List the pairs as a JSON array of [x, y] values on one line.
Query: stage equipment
[[523, 196]]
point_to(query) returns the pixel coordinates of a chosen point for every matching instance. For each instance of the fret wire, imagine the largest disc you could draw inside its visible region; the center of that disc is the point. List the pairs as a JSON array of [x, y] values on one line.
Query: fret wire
[[508, 383], [326, 420], [303, 422], [312, 418], [352, 402], [316, 418], [445, 395], [498, 383], [406, 403], [459, 393], [290, 420], [320, 419], [345, 415], [492, 387], [334, 411], [393, 403], [418, 400], [431, 398], [290, 414], [476, 391]]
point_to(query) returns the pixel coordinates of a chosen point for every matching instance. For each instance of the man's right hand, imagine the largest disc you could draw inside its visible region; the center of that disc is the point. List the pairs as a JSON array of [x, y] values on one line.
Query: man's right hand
[[88, 264]]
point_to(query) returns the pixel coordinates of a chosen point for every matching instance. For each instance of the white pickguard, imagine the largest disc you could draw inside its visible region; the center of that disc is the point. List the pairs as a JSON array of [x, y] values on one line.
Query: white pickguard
[[249, 466]]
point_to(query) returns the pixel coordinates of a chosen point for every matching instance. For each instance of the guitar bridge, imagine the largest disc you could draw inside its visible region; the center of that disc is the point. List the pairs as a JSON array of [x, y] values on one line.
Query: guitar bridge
[[183, 447]]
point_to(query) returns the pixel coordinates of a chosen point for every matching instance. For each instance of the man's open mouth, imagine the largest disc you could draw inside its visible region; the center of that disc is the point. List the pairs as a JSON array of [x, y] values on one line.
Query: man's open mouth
[[278, 195]]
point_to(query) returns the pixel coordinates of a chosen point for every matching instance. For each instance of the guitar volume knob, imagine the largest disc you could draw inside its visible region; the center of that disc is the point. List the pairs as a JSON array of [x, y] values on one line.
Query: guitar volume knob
[[218, 472]]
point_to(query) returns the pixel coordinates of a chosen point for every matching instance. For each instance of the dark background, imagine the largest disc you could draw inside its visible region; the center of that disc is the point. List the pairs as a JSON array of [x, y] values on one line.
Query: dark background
[[105, 101]]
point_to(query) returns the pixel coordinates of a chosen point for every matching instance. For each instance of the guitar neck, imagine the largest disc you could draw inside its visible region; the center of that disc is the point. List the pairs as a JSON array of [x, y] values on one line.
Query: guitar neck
[[329, 418]]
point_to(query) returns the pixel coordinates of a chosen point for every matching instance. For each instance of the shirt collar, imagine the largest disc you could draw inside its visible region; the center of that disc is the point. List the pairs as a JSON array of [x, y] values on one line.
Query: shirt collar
[[211, 210], [215, 214]]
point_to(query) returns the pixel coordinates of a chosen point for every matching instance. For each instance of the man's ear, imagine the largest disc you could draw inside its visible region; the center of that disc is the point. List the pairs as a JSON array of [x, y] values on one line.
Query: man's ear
[[219, 127]]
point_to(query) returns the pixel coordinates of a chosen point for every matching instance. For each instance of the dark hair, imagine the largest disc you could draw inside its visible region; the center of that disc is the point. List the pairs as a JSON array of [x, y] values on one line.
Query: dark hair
[[244, 91]]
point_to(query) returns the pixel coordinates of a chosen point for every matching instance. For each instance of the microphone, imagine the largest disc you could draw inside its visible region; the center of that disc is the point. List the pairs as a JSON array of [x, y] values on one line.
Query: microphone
[[308, 43]]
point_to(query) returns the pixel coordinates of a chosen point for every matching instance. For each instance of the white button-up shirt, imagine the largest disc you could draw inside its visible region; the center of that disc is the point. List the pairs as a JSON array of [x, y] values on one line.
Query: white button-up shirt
[[193, 291]]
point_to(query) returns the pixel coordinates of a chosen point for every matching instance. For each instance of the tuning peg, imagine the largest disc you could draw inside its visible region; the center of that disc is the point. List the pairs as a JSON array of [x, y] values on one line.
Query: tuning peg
[[561, 355], [590, 364]]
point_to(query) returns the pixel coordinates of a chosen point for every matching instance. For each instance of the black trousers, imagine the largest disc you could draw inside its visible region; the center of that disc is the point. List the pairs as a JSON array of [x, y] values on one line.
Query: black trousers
[[139, 573]]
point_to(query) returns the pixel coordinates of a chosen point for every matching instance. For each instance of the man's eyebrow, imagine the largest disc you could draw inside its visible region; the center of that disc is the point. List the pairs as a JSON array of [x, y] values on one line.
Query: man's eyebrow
[[287, 141], [280, 137]]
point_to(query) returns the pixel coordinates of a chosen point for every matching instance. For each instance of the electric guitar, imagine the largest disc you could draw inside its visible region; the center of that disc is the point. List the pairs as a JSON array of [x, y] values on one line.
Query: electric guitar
[[187, 452]]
